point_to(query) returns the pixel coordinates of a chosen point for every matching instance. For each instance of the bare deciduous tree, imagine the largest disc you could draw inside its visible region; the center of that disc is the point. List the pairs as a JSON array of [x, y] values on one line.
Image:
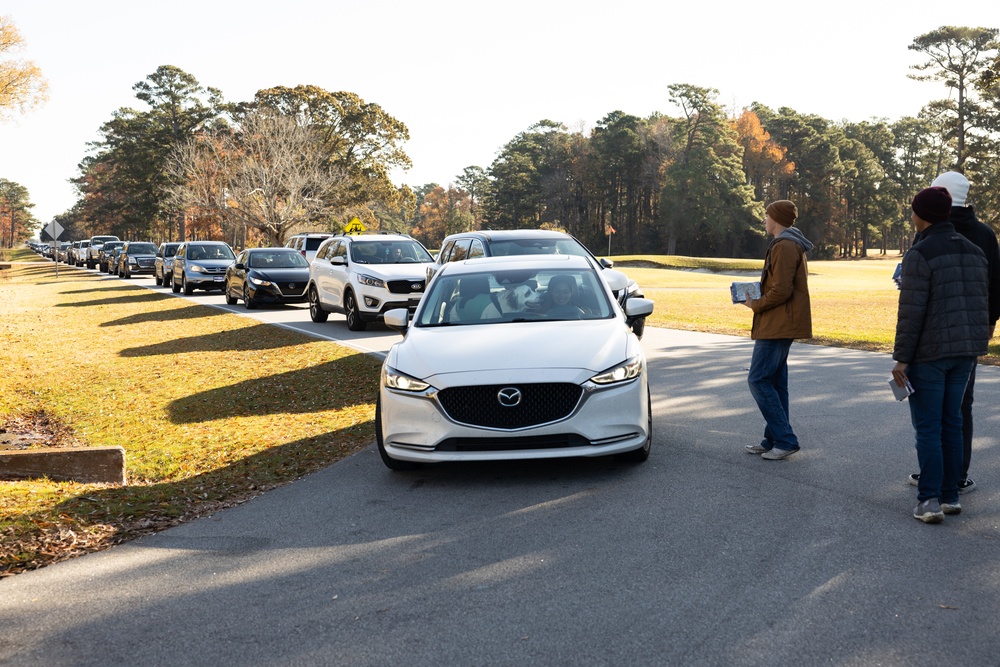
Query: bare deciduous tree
[[269, 174]]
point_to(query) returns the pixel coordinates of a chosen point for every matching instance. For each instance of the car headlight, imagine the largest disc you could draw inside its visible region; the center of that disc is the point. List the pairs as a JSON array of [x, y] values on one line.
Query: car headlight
[[196, 268], [259, 283], [393, 379], [620, 373], [370, 281], [133, 260]]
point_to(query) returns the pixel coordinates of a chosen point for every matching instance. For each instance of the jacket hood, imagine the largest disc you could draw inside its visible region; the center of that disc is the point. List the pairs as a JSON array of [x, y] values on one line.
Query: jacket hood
[[962, 217], [794, 234]]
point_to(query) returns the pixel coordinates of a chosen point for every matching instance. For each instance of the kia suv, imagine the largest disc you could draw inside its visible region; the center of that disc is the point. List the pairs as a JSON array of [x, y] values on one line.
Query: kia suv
[[364, 275]]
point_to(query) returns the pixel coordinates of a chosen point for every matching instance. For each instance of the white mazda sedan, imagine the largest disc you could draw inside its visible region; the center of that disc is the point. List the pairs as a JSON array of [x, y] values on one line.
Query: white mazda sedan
[[515, 358]]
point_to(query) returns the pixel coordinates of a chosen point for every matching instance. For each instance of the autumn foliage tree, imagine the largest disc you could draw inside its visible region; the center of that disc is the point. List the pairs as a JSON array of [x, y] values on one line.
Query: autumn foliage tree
[[22, 86]]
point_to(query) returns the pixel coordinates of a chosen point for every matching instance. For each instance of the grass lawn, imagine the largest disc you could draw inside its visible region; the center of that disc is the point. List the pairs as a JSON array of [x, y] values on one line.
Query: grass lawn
[[853, 301], [213, 408], [210, 407]]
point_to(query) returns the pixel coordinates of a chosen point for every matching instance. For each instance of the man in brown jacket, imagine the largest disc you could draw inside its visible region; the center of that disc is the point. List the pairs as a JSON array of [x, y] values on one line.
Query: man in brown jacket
[[781, 314]]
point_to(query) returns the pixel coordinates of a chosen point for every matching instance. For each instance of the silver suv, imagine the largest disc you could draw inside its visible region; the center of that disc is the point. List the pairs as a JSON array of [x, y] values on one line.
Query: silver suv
[[200, 265], [164, 264], [364, 275]]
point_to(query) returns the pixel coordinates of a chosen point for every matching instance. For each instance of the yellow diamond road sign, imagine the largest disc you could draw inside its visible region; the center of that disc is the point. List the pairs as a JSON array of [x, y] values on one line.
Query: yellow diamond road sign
[[355, 227]]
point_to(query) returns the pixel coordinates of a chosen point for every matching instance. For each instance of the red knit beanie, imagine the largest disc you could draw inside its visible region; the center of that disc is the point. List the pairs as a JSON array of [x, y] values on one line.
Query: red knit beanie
[[933, 204]]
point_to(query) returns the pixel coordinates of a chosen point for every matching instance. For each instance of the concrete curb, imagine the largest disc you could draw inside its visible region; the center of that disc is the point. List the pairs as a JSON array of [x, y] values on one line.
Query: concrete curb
[[71, 464]]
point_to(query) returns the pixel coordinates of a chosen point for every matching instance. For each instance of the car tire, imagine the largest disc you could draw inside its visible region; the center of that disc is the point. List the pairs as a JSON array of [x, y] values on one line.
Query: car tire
[[641, 454], [157, 279], [174, 287], [316, 312], [90, 265], [248, 303], [187, 289], [390, 463], [230, 299], [354, 321]]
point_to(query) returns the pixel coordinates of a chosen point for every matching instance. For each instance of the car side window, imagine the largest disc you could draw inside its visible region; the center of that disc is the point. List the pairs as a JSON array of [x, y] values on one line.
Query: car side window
[[340, 250], [477, 249], [445, 252], [461, 250]]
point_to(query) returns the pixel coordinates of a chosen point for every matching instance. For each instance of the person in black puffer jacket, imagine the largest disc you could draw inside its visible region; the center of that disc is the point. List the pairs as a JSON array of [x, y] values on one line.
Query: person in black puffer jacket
[[964, 218], [942, 326]]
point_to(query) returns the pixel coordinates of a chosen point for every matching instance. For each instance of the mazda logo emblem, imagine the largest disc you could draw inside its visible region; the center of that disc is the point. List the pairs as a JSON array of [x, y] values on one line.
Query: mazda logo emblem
[[509, 397]]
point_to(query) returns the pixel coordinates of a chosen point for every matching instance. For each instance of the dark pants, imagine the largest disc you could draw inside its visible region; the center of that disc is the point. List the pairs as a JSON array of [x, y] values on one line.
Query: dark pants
[[936, 413], [967, 422], [768, 380]]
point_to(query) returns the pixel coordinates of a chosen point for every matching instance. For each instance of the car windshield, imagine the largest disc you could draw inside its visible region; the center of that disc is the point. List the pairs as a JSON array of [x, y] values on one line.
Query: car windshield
[[170, 250], [142, 249], [389, 252], [210, 252], [278, 259], [505, 295]]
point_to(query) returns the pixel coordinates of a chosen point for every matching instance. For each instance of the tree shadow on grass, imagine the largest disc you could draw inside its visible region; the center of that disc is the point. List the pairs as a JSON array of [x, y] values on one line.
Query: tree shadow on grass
[[258, 337], [300, 391], [115, 288], [187, 313], [135, 510], [141, 296]]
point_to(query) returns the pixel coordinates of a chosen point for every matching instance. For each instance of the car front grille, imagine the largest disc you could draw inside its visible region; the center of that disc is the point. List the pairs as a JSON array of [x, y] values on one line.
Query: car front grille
[[481, 405], [558, 441], [146, 263], [214, 270], [405, 286], [292, 289]]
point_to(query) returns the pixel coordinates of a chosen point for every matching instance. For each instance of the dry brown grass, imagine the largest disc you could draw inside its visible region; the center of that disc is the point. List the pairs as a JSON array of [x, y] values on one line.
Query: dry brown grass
[[211, 408]]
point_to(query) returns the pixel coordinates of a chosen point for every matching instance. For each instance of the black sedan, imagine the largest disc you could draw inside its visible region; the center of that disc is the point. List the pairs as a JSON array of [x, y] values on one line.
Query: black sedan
[[267, 275]]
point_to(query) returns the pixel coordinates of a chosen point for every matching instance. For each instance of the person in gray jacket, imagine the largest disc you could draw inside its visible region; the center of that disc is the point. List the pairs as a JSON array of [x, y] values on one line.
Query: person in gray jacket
[[942, 325], [963, 216]]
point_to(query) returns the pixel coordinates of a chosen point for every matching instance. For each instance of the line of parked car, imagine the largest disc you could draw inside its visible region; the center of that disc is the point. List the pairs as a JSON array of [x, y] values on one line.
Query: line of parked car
[[517, 344], [361, 276]]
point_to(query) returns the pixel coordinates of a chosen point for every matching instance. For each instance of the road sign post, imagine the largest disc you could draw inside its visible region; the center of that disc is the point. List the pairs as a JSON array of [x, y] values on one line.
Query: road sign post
[[55, 230]]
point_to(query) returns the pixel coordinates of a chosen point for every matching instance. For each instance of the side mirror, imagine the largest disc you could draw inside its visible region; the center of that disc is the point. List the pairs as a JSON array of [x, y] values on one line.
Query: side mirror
[[606, 263], [637, 307], [338, 260], [398, 319], [239, 266]]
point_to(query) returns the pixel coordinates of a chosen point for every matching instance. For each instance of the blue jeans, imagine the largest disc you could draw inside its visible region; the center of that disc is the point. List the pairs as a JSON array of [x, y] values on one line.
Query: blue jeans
[[768, 382], [936, 413]]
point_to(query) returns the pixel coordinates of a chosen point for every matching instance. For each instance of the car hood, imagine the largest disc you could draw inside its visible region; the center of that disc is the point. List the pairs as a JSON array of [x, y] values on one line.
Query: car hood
[[212, 263], [300, 274], [408, 271], [566, 351]]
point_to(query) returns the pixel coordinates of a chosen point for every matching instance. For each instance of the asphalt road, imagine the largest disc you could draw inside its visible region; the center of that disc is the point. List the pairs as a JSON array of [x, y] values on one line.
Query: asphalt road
[[704, 555]]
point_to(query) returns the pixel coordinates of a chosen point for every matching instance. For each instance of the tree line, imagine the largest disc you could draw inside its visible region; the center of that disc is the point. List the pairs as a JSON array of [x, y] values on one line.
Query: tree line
[[694, 182]]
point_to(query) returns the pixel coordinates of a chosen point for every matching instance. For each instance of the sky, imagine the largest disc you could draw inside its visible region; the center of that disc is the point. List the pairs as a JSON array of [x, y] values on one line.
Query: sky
[[466, 77]]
